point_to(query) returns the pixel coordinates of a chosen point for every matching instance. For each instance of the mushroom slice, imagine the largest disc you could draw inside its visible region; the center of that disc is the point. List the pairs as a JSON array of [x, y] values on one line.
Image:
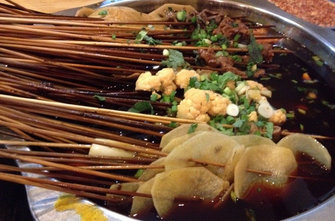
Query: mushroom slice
[[142, 204], [211, 147], [150, 173], [184, 183], [252, 140], [183, 130], [179, 141], [276, 162], [306, 144]]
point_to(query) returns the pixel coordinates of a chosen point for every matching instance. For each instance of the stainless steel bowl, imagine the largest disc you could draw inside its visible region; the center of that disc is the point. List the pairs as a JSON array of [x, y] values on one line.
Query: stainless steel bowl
[[304, 38]]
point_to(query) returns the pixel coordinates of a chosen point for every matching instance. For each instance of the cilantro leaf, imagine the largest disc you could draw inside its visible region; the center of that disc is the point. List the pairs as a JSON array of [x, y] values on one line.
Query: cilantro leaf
[[142, 106], [175, 60], [255, 51], [192, 128], [100, 98]]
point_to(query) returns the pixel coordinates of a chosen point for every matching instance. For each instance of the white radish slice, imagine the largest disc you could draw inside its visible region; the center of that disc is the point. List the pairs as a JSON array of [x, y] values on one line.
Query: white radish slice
[[129, 187], [209, 147], [183, 130], [278, 161], [101, 150], [265, 110], [150, 173], [252, 140], [306, 144], [179, 141], [184, 183], [142, 204], [233, 110]]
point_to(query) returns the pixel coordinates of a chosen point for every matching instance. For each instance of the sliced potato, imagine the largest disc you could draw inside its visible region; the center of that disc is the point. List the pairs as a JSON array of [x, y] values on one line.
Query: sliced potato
[[129, 187], [184, 183], [252, 140], [183, 130], [142, 204], [150, 173], [101, 150], [210, 147], [306, 144], [278, 162], [179, 141]]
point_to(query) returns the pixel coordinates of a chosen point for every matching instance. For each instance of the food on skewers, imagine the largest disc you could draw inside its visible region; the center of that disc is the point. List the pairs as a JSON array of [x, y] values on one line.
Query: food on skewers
[[231, 104]]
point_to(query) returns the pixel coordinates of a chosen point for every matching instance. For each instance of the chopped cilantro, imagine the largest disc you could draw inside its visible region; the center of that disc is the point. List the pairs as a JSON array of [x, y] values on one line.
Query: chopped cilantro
[[175, 60], [207, 97], [100, 98], [154, 97], [142, 106], [329, 105], [113, 36], [103, 12], [139, 173], [142, 35], [181, 15], [255, 51], [192, 128], [173, 124], [269, 129]]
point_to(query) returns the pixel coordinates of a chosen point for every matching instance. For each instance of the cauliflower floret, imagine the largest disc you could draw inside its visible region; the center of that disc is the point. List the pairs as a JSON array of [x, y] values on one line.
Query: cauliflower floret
[[147, 82], [219, 104], [278, 117], [183, 77], [187, 110], [167, 77], [199, 103], [252, 117], [195, 105]]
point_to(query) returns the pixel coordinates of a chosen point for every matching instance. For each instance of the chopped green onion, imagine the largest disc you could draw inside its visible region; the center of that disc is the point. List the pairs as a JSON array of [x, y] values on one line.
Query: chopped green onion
[[192, 128]]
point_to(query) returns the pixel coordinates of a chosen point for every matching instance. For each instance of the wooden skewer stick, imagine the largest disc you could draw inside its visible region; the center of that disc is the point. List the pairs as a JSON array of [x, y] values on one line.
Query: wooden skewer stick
[[122, 114], [42, 171], [87, 139], [45, 144], [73, 155], [286, 133], [66, 167], [40, 183], [146, 46]]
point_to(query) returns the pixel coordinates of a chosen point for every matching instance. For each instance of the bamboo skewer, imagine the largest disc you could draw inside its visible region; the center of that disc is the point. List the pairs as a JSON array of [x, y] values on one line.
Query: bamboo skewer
[[122, 114], [66, 167], [42, 171]]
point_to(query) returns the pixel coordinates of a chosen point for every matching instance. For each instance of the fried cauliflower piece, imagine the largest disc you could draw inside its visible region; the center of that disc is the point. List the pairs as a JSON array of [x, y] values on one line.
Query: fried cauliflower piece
[[167, 77], [252, 117], [195, 105], [278, 117], [183, 77], [219, 104], [163, 81], [199, 104], [148, 82]]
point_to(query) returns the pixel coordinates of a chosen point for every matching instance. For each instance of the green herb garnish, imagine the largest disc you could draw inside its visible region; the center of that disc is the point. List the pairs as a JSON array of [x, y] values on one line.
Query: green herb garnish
[[192, 128], [139, 173], [141, 107], [175, 60], [103, 12], [181, 15], [100, 98]]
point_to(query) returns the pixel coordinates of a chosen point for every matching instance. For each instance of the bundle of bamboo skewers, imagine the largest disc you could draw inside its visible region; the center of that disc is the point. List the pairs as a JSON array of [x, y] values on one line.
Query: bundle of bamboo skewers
[[42, 104]]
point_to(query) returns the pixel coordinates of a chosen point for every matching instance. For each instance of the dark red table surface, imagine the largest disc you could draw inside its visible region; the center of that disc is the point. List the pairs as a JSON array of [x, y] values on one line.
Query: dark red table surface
[[13, 200]]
